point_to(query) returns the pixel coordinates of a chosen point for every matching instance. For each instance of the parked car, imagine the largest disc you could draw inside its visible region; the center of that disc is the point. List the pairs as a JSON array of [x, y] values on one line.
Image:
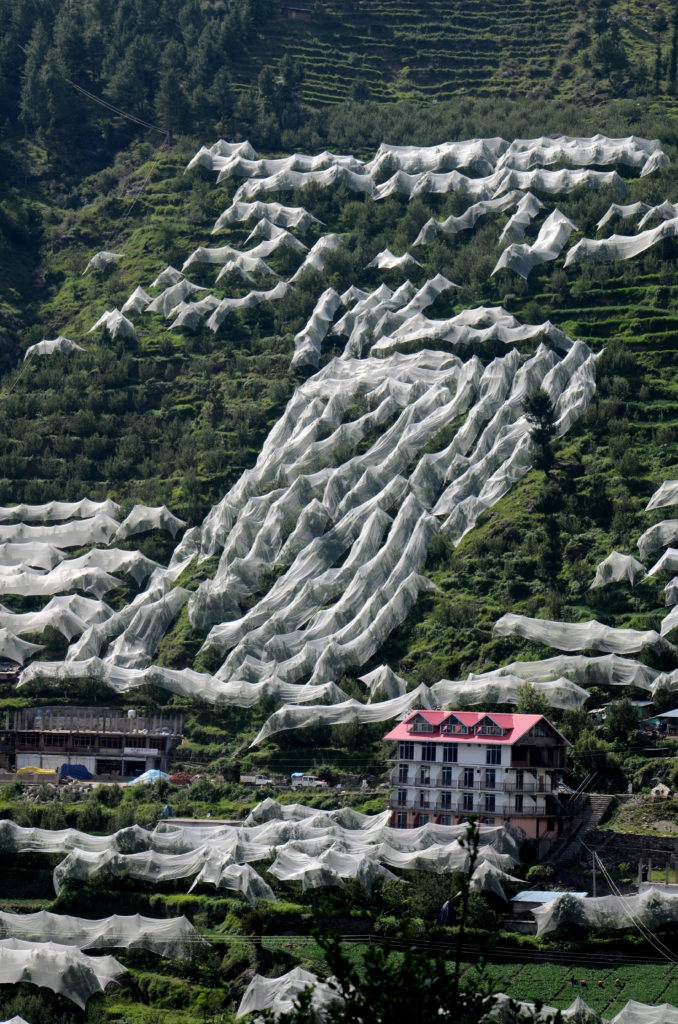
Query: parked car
[[301, 781]]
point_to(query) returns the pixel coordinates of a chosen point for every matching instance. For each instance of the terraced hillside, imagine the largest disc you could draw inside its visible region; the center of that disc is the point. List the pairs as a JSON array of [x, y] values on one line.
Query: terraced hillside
[[387, 50]]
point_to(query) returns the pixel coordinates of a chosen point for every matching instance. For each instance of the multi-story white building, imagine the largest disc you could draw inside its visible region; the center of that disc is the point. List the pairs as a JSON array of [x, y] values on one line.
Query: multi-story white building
[[504, 768]]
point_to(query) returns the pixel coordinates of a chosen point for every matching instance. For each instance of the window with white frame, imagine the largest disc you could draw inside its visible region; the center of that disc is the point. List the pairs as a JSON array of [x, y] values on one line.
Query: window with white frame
[[490, 802], [467, 801], [428, 751], [493, 754], [401, 819], [446, 776], [406, 751], [420, 725], [451, 753]]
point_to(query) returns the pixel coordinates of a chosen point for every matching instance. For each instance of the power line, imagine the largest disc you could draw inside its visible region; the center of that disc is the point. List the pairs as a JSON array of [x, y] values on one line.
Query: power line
[[116, 110]]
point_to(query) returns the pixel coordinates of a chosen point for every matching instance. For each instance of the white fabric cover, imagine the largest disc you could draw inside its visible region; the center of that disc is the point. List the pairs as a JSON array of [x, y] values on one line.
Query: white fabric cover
[[643, 1013], [577, 636], [47, 347], [385, 260], [169, 276], [453, 225], [278, 994], [143, 518], [661, 535], [170, 937], [644, 155], [615, 210], [67, 576], [665, 495], [55, 511], [653, 907], [14, 649], [620, 247], [283, 216], [70, 615], [314, 847], [172, 296], [308, 342], [117, 325], [102, 260], [527, 209], [553, 235], [138, 301], [97, 529], [63, 969], [665, 210], [35, 554], [617, 568]]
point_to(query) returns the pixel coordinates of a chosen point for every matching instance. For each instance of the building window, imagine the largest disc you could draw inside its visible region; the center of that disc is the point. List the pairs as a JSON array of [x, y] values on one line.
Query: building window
[[401, 819], [493, 754], [467, 780], [406, 751], [420, 725], [402, 797], [424, 819], [424, 776], [450, 753], [402, 772], [446, 801], [488, 821], [489, 728], [467, 801], [446, 777], [490, 802], [519, 803], [423, 798], [428, 751], [445, 819], [490, 778]]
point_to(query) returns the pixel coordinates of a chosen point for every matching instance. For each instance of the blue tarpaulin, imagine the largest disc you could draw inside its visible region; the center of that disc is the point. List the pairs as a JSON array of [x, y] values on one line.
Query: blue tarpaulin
[[75, 771]]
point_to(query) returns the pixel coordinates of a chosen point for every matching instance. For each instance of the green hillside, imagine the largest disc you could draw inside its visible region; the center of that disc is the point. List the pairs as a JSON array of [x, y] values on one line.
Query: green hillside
[[178, 417]]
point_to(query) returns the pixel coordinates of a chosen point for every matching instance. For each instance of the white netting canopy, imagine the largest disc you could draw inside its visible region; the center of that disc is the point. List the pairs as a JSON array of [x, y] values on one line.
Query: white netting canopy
[[63, 969], [353, 481], [142, 518], [278, 994], [102, 261], [617, 568], [577, 636], [665, 495], [653, 908], [312, 847], [658, 536], [48, 347], [171, 937]]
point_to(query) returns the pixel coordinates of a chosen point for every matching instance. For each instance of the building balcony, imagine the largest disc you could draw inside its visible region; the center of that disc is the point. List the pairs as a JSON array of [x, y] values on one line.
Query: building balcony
[[475, 784]]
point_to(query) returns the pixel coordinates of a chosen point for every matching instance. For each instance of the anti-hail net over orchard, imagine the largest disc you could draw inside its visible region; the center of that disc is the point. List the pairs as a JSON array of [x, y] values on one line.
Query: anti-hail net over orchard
[[410, 424]]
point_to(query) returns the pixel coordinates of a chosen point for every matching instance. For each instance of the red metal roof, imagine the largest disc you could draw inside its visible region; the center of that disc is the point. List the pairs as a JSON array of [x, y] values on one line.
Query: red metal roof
[[516, 727]]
